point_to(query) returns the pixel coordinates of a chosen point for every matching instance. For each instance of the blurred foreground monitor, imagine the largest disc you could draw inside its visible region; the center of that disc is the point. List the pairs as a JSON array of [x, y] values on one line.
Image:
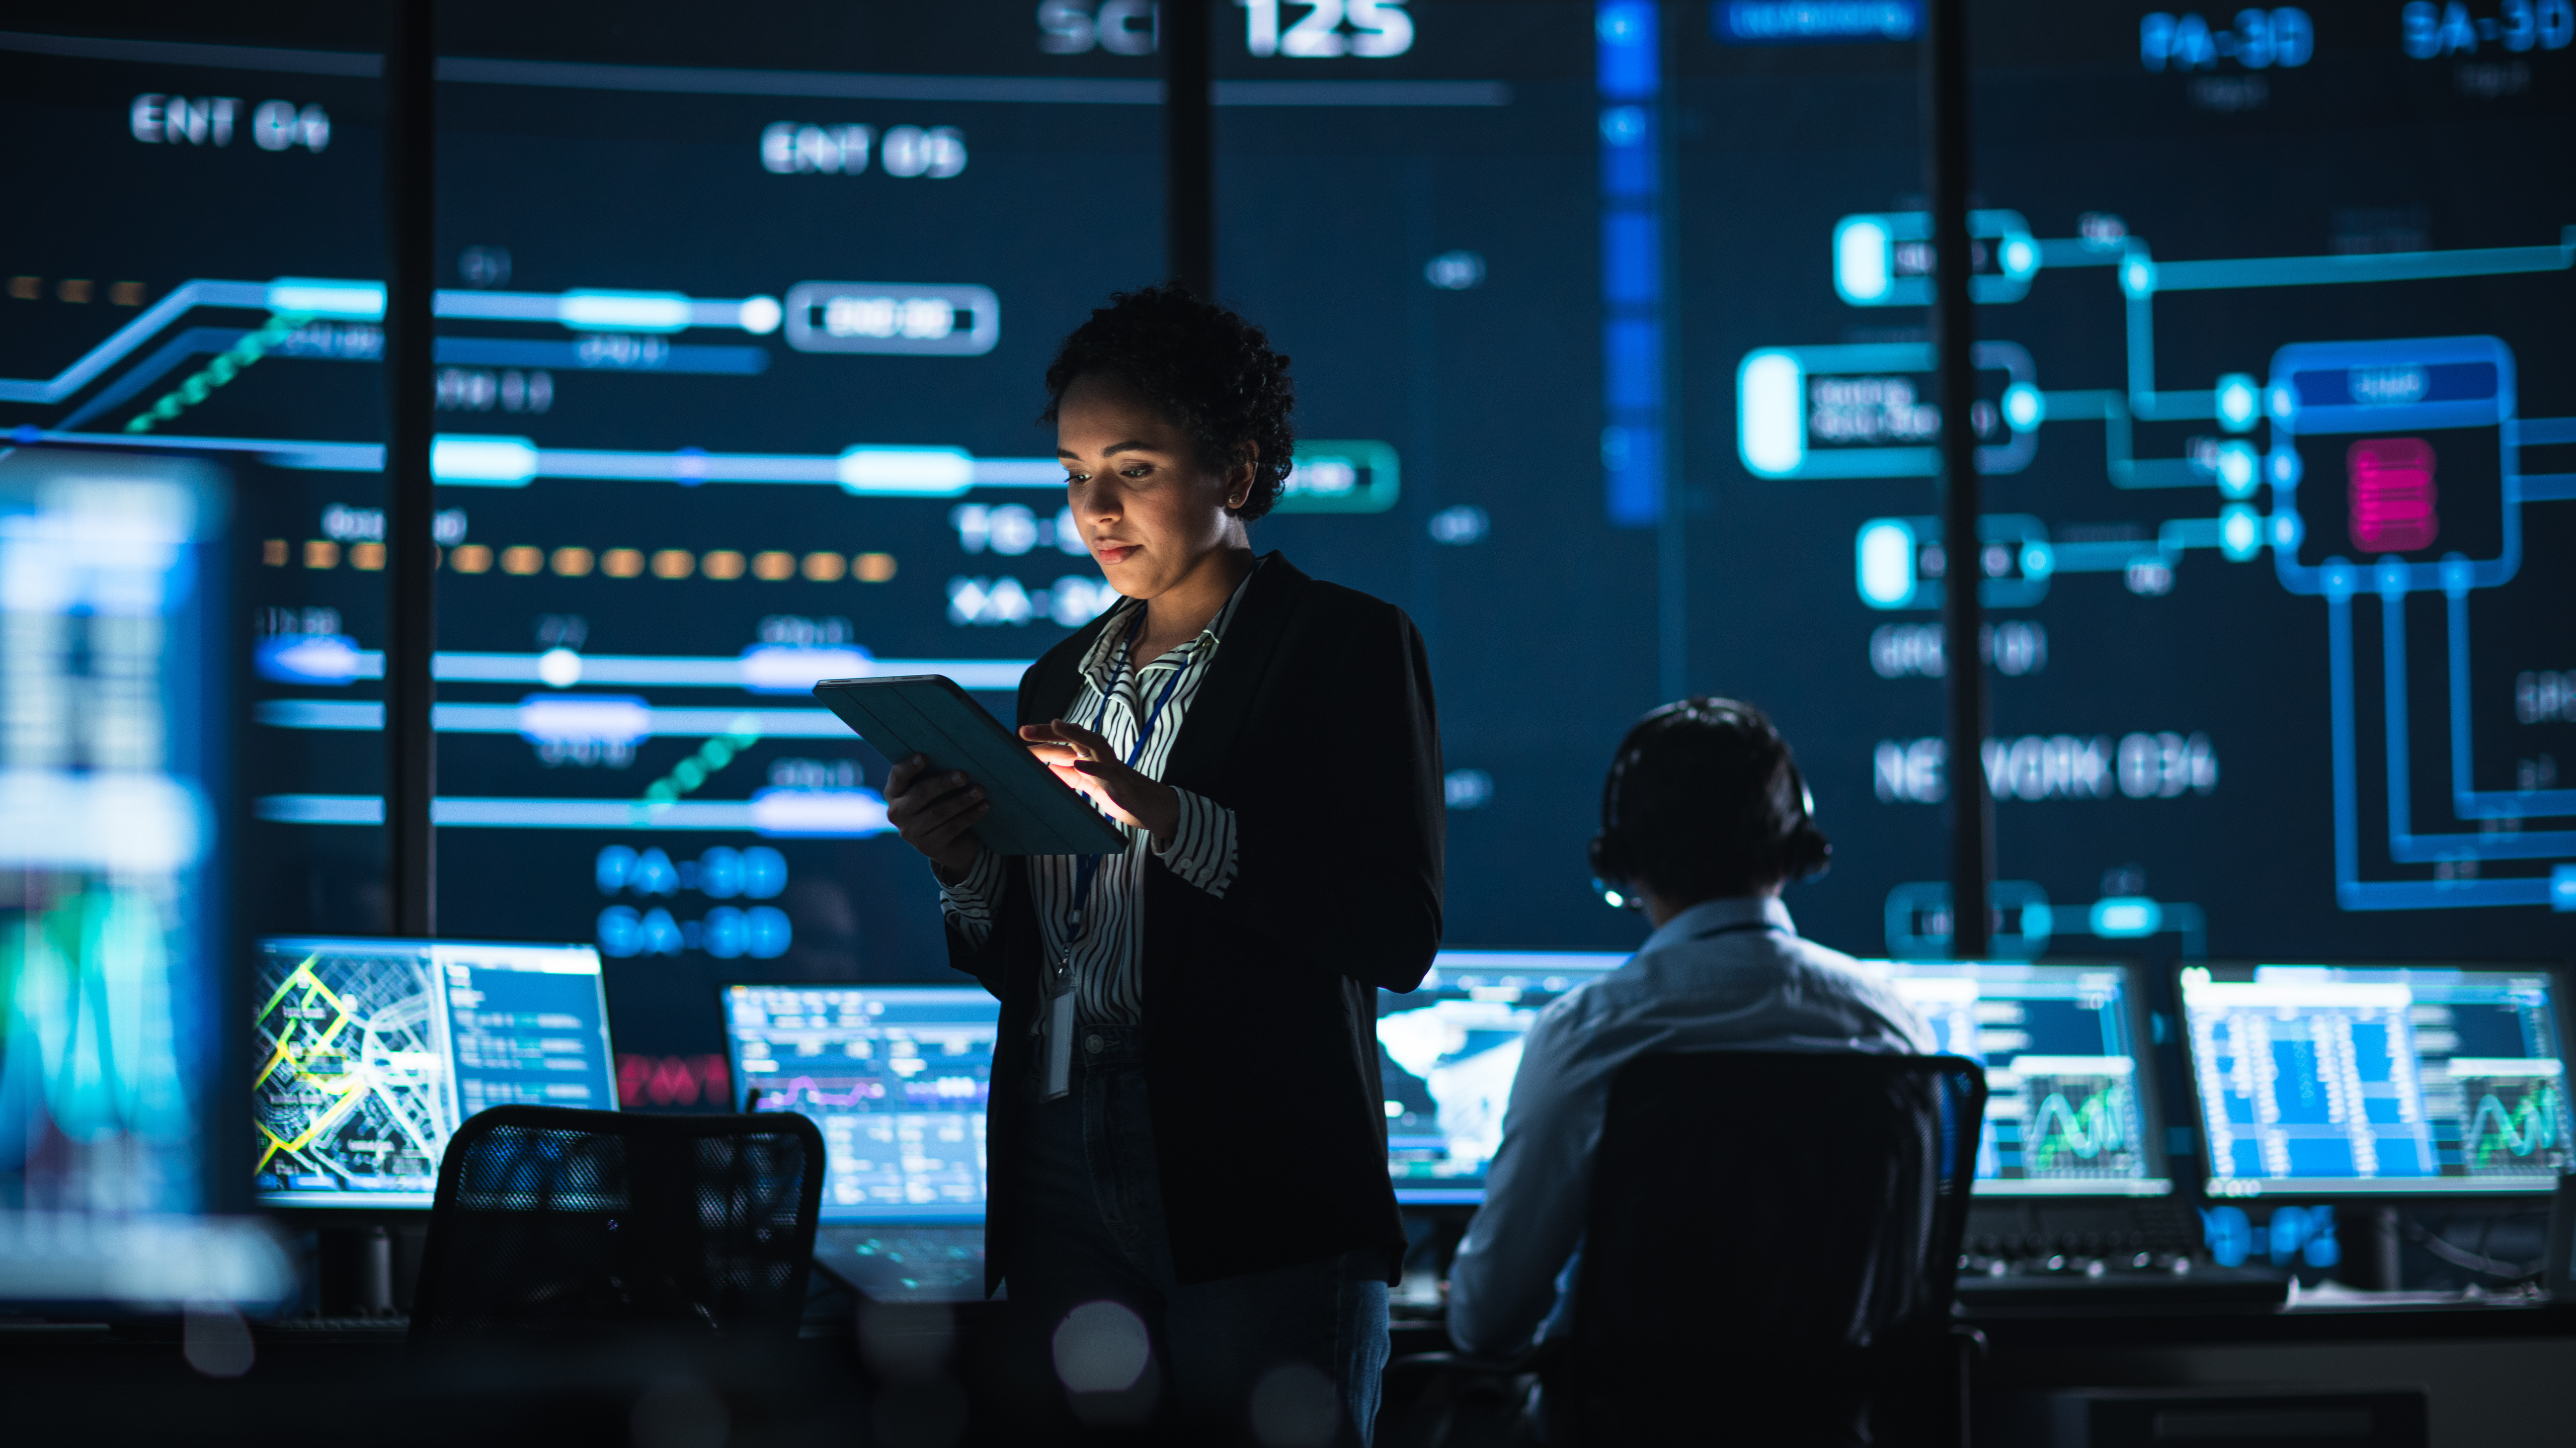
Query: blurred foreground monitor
[[112, 957]]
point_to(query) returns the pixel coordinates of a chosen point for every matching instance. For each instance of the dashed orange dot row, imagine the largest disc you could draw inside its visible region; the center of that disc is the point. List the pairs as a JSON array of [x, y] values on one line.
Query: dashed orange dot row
[[524, 561], [76, 290]]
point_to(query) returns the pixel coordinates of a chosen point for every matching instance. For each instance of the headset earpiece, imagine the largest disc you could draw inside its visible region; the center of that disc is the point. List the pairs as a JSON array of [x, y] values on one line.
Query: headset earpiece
[[1610, 872]]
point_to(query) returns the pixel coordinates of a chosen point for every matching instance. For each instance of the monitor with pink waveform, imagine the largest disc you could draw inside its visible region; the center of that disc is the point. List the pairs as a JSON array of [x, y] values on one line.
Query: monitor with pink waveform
[[896, 1076]]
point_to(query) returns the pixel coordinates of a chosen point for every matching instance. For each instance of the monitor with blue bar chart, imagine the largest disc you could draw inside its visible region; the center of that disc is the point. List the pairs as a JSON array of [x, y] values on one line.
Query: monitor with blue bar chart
[[371, 1051], [895, 1076], [2070, 1104], [2378, 1080], [1447, 1053]]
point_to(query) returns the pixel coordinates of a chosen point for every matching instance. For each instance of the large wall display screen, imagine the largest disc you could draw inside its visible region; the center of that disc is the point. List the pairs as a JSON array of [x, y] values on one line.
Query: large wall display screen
[[2277, 422], [1612, 346], [739, 354]]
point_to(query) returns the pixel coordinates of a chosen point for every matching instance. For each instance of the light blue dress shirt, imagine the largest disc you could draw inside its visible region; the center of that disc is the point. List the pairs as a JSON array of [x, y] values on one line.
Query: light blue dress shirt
[[1722, 974]]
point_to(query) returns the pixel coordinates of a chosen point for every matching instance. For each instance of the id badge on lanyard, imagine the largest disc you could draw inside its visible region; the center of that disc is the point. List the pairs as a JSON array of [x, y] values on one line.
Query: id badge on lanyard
[[1059, 1040], [1055, 1020]]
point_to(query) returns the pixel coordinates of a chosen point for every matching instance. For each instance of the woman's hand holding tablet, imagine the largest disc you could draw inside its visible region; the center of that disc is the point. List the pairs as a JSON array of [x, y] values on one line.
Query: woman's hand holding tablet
[[1084, 761], [937, 814]]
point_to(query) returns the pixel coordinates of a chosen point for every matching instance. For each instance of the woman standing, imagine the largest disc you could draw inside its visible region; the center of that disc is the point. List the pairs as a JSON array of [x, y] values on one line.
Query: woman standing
[[1186, 1131]]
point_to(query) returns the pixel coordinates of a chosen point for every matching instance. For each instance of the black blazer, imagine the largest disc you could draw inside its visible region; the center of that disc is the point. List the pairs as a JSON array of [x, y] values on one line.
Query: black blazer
[[1315, 726]]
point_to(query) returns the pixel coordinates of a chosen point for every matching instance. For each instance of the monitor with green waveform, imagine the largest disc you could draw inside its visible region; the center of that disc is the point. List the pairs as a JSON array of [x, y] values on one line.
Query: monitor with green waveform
[[2395, 1079], [2077, 1124], [2067, 1112]]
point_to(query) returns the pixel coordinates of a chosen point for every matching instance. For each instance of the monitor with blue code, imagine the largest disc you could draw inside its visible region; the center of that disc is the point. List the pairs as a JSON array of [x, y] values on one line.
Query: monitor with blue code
[[2070, 1104], [896, 1076], [2378, 1080], [372, 1050]]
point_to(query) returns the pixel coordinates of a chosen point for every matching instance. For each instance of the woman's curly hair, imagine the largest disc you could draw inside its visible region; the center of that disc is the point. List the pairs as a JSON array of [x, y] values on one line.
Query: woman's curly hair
[[1202, 366]]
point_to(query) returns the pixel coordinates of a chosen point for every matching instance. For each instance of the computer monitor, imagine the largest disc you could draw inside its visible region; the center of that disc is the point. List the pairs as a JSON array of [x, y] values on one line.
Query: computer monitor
[[371, 1051], [1447, 1053], [2317, 1080], [2070, 1102], [2069, 1113], [895, 1075]]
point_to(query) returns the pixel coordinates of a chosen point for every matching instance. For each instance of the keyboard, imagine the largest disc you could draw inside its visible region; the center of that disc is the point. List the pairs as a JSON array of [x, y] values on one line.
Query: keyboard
[[391, 1325], [905, 1264], [2174, 1285]]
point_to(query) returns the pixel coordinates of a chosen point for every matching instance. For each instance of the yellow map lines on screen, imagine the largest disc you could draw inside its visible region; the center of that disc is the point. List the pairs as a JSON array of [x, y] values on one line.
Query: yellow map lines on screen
[[348, 1087]]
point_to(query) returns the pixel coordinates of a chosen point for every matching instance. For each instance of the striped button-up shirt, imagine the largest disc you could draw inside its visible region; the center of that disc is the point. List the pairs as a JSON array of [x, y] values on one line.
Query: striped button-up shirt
[[1116, 699]]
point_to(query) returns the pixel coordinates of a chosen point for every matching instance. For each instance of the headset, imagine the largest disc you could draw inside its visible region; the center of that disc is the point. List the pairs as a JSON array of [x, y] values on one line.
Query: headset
[[1793, 840]]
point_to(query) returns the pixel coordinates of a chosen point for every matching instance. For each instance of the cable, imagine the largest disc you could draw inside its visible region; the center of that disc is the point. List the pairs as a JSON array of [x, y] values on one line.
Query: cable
[[2477, 1261]]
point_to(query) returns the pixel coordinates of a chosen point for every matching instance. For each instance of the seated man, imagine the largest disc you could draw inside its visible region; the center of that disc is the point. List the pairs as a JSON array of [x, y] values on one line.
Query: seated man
[[1703, 819]]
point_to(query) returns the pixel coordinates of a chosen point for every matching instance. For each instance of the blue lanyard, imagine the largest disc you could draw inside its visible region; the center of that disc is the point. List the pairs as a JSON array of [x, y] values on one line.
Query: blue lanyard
[[1086, 868]]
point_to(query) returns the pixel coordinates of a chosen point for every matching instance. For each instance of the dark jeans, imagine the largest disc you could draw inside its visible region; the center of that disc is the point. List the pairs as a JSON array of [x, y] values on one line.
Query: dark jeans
[[1289, 1356]]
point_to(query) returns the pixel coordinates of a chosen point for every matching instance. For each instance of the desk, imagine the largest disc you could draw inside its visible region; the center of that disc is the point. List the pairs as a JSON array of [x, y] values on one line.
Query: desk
[[2499, 1376], [133, 1385]]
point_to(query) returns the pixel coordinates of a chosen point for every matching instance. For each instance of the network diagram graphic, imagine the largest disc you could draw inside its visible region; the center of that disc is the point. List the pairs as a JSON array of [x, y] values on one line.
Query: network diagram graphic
[[2422, 437]]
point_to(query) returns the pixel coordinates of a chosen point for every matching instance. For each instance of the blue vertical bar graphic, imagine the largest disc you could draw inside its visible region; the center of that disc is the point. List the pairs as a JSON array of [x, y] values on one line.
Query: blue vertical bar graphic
[[1629, 80]]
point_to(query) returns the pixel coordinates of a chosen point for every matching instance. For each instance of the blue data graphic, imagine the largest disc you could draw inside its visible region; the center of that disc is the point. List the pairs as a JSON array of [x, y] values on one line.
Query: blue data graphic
[[1448, 1053], [2069, 1106], [2353, 1079], [896, 1078], [372, 1051]]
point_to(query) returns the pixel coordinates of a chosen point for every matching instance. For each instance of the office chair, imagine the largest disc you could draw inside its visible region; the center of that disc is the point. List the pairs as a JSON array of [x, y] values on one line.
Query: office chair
[[561, 1222], [1769, 1255]]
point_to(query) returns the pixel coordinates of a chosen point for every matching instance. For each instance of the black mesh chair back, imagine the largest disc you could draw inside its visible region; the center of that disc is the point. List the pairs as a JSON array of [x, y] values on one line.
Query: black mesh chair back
[[1772, 1238], [551, 1220]]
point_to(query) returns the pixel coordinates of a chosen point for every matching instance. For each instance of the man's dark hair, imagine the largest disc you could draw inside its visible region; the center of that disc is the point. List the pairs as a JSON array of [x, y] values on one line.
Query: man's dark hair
[[1204, 367], [1704, 801]]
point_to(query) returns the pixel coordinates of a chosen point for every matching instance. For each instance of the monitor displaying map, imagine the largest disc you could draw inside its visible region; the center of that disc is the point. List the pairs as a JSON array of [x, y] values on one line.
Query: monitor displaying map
[[372, 1051]]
